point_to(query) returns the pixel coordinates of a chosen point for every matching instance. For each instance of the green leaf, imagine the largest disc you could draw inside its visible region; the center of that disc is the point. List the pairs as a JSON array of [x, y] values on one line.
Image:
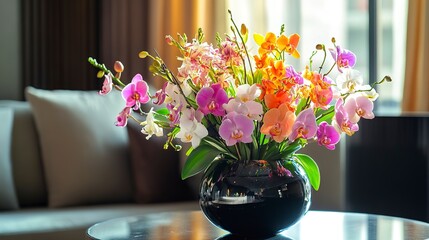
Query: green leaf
[[292, 148], [162, 111], [199, 159], [326, 115], [301, 106], [311, 169]]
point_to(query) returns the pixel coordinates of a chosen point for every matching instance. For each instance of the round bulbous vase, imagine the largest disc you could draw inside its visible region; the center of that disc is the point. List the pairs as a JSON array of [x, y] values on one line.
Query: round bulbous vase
[[256, 198]]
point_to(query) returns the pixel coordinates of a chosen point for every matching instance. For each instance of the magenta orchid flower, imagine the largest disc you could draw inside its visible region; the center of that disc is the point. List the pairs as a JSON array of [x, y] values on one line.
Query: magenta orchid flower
[[305, 125], [359, 106], [107, 85], [122, 118], [160, 95], [343, 57], [342, 121], [236, 128], [211, 100], [327, 136], [136, 92]]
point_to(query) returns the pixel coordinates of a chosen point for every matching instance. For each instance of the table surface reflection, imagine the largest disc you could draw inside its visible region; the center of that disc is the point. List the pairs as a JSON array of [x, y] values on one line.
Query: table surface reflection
[[314, 225]]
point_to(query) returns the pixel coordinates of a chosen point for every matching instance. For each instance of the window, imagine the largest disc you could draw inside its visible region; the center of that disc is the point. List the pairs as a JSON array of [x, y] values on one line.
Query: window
[[349, 22]]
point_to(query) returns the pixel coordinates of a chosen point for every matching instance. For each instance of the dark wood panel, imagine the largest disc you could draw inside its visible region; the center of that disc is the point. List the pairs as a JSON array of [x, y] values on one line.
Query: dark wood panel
[[387, 167]]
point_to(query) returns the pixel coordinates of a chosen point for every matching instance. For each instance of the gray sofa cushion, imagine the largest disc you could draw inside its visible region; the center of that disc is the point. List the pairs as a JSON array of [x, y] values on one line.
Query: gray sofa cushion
[[8, 200], [25, 154], [84, 154]]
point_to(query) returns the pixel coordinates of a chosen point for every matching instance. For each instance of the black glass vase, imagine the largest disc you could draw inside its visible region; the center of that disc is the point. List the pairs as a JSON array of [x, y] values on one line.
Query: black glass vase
[[254, 199]]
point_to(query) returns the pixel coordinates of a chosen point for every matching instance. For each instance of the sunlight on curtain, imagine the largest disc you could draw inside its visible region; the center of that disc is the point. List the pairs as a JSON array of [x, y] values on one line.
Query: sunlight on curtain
[[416, 86]]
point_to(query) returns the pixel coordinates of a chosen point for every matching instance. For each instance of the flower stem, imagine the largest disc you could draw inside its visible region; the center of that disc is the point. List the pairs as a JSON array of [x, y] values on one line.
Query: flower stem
[[242, 40]]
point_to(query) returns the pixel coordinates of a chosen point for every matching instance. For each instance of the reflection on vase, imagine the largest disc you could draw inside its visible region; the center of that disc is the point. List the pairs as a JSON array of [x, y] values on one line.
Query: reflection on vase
[[255, 199]]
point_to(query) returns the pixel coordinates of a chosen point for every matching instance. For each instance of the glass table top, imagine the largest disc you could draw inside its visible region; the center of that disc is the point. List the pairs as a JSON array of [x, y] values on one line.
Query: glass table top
[[314, 225]]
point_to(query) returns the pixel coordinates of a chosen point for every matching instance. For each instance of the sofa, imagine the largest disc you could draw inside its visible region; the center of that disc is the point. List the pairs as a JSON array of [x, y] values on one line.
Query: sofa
[[65, 166]]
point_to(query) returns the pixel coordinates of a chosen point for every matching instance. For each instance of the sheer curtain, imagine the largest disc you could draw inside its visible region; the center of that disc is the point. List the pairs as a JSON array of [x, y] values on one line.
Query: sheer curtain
[[416, 84]]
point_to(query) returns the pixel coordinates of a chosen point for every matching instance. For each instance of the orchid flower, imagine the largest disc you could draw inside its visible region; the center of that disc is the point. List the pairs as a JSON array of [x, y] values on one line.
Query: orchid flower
[[278, 123], [343, 57], [150, 127], [121, 119], [236, 128], [136, 92], [245, 92], [293, 77], [349, 81], [359, 106], [191, 130], [327, 136], [107, 85], [211, 99], [342, 121], [251, 109], [161, 94], [305, 125]]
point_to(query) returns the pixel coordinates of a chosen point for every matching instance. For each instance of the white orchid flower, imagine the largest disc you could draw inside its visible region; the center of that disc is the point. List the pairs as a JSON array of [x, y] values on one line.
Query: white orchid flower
[[150, 127]]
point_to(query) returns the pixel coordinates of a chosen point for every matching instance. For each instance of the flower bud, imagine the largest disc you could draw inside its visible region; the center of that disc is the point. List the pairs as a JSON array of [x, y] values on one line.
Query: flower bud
[[388, 78], [118, 66], [100, 74], [143, 54], [243, 29], [169, 39]]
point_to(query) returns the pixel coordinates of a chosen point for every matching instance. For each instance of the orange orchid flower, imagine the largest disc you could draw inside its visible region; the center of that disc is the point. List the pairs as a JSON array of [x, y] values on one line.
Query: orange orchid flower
[[261, 61], [275, 100], [277, 68], [278, 123], [266, 44], [289, 44]]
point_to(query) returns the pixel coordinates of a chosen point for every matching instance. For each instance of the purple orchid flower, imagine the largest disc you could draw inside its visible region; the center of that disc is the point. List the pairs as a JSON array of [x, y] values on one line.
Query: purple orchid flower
[[174, 115], [294, 76], [211, 100], [135, 92], [305, 125], [327, 136], [343, 57], [236, 128], [160, 95]]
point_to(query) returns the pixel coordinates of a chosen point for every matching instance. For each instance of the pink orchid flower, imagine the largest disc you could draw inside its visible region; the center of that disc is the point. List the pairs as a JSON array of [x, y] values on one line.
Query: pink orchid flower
[[122, 118], [107, 85], [136, 92], [327, 136], [211, 100], [343, 57], [236, 128], [305, 125], [359, 106], [342, 121]]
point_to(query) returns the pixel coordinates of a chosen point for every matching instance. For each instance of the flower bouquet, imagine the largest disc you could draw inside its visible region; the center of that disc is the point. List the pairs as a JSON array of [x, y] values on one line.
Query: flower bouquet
[[228, 102]]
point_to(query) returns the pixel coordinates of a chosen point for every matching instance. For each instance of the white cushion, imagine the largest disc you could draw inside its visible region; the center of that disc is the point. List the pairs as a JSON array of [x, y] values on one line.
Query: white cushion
[[84, 155]]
